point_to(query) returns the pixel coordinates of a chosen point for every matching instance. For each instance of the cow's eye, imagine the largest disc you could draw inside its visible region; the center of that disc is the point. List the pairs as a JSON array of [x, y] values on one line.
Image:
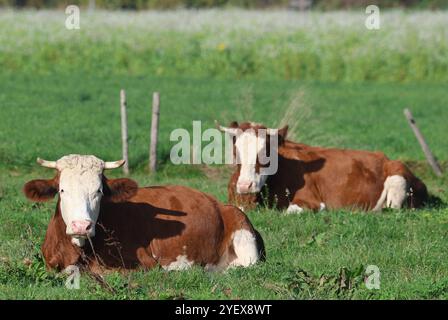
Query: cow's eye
[[100, 191], [61, 191]]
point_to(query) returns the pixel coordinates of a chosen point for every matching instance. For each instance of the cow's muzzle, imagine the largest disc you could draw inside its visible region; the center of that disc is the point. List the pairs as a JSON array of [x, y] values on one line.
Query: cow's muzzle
[[245, 187], [81, 228]]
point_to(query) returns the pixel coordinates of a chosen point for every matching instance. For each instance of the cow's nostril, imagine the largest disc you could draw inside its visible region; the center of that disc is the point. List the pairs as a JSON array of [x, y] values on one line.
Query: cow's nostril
[[82, 227]]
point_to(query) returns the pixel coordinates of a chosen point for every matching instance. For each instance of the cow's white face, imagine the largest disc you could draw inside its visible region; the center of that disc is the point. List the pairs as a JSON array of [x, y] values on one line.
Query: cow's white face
[[80, 183], [80, 196], [80, 192], [248, 147], [256, 150]]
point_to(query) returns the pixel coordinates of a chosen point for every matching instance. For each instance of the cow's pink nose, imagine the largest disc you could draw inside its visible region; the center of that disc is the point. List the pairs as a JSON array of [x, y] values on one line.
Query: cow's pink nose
[[244, 187], [81, 227]]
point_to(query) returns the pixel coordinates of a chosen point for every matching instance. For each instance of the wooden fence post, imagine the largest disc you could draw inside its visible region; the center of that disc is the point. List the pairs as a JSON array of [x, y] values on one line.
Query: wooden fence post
[[429, 156], [154, 132], [124, 131]]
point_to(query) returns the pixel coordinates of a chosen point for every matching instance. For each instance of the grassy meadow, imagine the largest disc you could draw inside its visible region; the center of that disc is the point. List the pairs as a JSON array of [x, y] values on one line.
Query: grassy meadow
[[230, 44], [55, 101]]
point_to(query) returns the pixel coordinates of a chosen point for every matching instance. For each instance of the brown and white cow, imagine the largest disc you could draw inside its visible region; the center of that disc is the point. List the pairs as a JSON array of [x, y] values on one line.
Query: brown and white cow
[[315, 178], [130, 227]]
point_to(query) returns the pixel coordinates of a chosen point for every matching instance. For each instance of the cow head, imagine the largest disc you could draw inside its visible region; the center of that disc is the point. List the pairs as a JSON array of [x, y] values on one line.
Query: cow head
[[256, 152], [81, 186]]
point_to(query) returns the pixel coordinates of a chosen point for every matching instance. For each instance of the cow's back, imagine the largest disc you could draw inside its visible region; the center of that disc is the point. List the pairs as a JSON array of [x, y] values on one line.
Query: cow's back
[[349, 178], [344, 178], [360, 177]]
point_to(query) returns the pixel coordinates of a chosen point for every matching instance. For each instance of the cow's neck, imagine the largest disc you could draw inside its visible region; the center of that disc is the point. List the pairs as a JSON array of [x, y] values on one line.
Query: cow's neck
[[282, 168], [282, 185]]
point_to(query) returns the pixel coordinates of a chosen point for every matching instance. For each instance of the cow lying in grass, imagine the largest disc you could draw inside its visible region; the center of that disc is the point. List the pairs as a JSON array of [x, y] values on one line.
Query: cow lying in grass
[[315, 178], [130, 227]]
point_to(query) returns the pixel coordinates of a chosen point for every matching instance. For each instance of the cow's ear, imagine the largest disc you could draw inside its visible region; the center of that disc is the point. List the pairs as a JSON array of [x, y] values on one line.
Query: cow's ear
[[282, 133], [119, 190], [40, 190]]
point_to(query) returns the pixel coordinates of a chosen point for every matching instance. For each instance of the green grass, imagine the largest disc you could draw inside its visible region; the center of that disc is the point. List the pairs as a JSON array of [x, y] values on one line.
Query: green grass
[[60, 114], [53, 115]]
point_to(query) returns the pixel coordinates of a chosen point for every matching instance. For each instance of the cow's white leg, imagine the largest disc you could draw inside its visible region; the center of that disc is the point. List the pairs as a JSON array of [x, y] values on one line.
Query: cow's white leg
[[322, 206], [293, 208], [397, 192], [245, 247], [394, 193]]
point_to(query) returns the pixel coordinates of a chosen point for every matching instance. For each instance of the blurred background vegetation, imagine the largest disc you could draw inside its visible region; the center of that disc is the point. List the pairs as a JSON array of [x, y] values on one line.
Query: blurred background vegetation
[[231, 44], [171, 4]]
